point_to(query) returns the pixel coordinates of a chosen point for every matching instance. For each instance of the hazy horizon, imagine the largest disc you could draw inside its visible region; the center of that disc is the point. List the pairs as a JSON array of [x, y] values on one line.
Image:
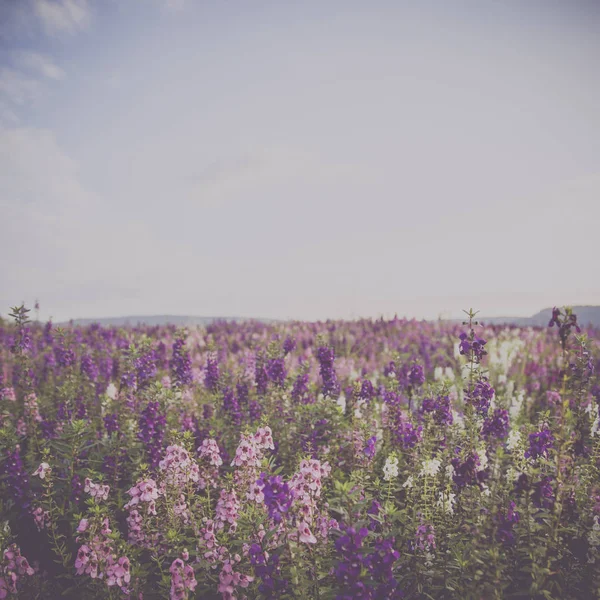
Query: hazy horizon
[[309, 161], [448, 316]]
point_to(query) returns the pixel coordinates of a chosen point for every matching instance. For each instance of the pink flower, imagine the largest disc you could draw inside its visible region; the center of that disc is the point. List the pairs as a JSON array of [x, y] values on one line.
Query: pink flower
[[96, 490], [83, 525], [209, 449], [179, 467], [182, 579], [41, 518], [264, 438], [143, 491], [7, 393], [306, 535], [228, 579]]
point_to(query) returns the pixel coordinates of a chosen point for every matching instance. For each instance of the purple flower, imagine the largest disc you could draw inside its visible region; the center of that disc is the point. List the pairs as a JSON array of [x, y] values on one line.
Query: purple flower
[[416, 376], [277, 496], [424, 538], [480, 396], [48, 427], [47, 335], [540, 444], [128, 380], [506, 522], [231, 406], [289, 345], [496, 425], [472, 346], [145, 368], [22, 341], [554, 319], [266, 566], [379, 581], [465, 472], [242, 393], [407, 435], [255, 411], [17, 480], [331, 386], [276, 371], [543, 494], [390, 369], [181, 364], [80, 409], [65, 356], [440, 409], [300, 388], [391, 398], [373, 511], [369, 449], [152, 425], [261, 376], [366, 390], [89, 367], [111, 423]]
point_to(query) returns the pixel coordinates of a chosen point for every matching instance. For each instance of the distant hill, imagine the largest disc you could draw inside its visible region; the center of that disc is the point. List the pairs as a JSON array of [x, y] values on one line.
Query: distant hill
[[586, 315], [153, 320]]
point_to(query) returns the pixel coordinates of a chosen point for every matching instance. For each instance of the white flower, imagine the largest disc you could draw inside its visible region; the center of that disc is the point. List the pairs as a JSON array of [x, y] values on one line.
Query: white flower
[[438, 373], [514, 437], [42, 470], [483, 459], [516, 404], [390, 469], [510, 388], [447, 503], [458, 420], [341, 402], [457, 350], [596, 424], [430, 467], [408, 483], [449, 471], [111, 391], [512, 474]]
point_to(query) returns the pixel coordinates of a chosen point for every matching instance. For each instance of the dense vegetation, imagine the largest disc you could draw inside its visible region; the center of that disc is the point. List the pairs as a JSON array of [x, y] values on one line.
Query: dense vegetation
[[366, 459]]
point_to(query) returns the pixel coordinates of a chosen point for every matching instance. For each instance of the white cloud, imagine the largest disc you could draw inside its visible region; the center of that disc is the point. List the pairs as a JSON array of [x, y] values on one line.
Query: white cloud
[[39, 63], [17, 88], [24, 85], [58, 16], [58, 241], [36, 176]]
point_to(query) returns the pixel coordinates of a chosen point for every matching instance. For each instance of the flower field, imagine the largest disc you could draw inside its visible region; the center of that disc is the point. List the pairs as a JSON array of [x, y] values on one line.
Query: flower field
[[364, 459]]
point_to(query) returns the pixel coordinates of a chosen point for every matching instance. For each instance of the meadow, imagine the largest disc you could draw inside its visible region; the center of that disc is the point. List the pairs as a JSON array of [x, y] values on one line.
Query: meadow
[[366, 459]]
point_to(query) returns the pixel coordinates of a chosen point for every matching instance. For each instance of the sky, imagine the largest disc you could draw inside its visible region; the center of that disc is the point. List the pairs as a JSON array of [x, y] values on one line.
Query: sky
[[305, 160]]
